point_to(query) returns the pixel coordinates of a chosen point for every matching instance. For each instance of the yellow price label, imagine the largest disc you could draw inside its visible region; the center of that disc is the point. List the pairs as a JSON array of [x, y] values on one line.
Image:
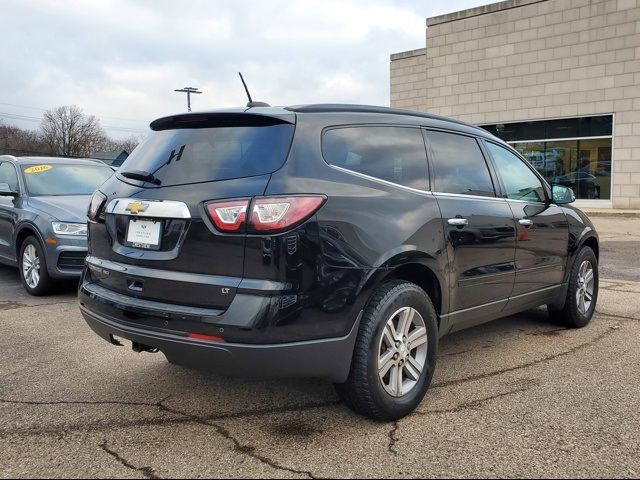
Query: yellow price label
[[38, 169]]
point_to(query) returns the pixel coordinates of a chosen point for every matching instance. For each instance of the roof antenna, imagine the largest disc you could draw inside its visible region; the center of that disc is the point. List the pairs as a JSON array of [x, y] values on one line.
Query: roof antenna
[[251, 102]]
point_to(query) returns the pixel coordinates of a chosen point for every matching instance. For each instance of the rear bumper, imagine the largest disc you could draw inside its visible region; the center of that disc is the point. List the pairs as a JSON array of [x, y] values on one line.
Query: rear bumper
[[328, 359]]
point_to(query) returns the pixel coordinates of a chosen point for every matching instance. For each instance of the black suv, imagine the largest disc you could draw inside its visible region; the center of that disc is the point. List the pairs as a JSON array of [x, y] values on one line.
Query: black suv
[[331, 241]]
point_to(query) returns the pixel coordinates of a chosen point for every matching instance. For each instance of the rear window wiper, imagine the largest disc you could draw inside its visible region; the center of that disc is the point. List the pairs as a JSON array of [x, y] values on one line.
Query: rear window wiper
[[142, 176]]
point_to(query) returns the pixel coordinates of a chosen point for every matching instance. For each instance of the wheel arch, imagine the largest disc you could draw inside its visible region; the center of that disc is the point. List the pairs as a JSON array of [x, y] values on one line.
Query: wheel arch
[[417, 268], [22, 232], [422, 276], [592, 242], [590, 239]]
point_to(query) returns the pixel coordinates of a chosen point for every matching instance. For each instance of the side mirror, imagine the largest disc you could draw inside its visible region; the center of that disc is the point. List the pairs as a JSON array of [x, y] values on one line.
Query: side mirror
[[6, 191], [562, 195]]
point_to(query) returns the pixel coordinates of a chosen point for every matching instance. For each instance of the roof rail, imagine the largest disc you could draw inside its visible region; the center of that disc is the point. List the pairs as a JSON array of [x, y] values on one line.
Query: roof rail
[[350, 108], [8, 157]]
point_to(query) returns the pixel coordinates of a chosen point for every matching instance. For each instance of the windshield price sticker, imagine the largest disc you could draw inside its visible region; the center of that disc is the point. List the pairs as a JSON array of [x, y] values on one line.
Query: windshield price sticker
[[38, 169]]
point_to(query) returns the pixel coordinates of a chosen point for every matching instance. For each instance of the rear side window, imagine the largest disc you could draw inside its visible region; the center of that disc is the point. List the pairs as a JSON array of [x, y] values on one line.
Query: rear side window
[[191, 155], [394, 154], [458, 165]]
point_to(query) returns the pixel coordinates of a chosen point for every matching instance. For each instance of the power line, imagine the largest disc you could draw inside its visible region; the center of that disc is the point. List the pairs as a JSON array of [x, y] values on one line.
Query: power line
[[28, 118], [45, 109], [35, 153]]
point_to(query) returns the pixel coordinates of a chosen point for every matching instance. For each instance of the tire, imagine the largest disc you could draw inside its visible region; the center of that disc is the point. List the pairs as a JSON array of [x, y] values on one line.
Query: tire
[[575, 314], [365, 391], [36, 281]]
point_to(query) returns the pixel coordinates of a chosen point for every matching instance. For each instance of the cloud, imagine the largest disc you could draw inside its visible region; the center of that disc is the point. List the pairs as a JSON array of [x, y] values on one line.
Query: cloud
[[121, 60]]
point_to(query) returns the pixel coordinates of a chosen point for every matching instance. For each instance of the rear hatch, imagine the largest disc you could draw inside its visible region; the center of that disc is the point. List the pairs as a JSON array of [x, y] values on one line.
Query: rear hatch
[[154, 240]]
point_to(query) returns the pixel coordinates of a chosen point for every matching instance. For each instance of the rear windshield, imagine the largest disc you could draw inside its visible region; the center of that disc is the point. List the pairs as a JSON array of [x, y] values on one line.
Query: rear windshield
[[192, 155], [64, 179]]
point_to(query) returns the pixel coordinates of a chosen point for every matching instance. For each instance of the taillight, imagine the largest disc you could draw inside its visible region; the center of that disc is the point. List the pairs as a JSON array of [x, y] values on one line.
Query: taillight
[[95, 206], [275, 214], [268, 214], [228, 215]]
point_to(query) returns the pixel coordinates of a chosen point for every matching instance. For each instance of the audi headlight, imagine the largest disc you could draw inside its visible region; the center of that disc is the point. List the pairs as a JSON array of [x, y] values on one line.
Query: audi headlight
[[75, 229]]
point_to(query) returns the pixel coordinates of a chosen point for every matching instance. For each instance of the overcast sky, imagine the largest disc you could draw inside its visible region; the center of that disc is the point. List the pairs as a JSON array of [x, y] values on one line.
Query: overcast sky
[[121, 60]]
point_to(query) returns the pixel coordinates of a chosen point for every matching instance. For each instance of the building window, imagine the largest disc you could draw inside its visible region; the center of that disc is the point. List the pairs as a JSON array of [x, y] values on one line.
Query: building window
[[574, 152]]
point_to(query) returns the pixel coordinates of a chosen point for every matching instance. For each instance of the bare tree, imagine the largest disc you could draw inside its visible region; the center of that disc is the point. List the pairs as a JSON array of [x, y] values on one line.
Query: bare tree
[[16, 141], [127, 144], [69, 132]]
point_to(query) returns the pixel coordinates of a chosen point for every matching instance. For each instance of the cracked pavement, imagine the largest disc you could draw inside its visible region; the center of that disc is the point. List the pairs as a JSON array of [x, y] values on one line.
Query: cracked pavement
[[517, 397]]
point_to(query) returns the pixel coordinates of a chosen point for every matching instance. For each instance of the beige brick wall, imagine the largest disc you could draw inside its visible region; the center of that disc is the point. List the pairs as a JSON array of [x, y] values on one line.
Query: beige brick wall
[[409, 80], [529, 59]]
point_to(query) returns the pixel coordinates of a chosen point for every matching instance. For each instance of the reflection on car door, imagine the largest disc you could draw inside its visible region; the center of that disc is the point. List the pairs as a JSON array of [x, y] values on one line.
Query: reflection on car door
[[9, 176], [479, 228], [543, 231]]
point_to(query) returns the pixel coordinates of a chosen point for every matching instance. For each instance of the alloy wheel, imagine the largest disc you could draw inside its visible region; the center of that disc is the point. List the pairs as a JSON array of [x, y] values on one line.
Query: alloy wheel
[[31, 266], [402, 353], [586, 287]]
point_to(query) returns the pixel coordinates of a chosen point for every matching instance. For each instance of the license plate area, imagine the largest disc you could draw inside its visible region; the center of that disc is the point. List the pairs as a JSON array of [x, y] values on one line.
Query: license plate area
[[145, 234]]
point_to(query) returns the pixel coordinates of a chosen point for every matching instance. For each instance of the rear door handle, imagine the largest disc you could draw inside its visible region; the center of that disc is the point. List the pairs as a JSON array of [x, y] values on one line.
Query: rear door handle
[[525, 222], [458, 222]]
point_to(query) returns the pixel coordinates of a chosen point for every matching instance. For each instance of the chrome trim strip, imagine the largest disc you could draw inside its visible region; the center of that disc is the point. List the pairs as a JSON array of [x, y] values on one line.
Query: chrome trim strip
[[145, 272], [504, 300], [198, 278], [104, 295], [155, 208], [531, 202], [379, 180], [476, 197], [471, 309], [535, 292]]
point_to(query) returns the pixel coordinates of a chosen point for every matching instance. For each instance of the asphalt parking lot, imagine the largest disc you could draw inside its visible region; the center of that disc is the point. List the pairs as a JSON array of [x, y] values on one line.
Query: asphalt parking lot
[[514, 398]]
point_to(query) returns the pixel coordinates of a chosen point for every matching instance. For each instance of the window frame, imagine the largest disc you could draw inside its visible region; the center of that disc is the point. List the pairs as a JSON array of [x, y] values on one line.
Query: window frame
[[369, 177], [497, 187], [546, 186], [18, 176]]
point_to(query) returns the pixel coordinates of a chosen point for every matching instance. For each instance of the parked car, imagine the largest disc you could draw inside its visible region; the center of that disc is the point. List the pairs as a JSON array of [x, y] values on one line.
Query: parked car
[[583, 182], [43, 223], [331, 241]]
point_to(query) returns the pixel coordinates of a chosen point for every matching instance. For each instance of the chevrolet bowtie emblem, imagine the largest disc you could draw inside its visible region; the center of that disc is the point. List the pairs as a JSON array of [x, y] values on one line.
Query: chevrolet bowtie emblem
[[137, 207]]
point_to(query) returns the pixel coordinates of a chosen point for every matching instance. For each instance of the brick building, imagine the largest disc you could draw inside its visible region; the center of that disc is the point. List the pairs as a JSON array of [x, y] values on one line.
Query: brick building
[[557, 79]]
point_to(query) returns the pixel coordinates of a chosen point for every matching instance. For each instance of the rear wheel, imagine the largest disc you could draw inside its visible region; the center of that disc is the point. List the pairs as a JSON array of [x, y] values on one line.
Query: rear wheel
[[33, 268], [395, 353], [582, 292]]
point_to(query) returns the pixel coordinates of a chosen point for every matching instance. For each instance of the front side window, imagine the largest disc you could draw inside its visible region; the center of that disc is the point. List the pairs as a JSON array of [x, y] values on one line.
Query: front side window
[[519, 181], [64, 179], [458, 165], [394, 154], [9, 176]]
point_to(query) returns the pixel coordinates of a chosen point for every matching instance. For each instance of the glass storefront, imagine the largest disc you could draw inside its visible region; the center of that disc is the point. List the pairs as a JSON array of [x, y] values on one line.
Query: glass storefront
[[573, 152]]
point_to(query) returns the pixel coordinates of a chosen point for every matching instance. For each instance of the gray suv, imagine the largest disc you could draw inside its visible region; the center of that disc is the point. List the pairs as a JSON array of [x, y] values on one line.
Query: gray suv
[[43, 215]]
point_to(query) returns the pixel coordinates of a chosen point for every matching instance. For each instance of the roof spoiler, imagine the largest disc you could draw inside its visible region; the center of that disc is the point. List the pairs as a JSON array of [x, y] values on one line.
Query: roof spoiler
[[220, 119]]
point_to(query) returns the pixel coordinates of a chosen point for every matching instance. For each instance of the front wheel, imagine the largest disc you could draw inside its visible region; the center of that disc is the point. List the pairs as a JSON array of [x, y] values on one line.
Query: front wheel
[[33, 268], [395, 353], [582, 292]]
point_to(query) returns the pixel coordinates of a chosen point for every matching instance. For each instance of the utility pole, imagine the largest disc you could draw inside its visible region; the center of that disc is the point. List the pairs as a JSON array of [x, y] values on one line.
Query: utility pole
[[189, 91]]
